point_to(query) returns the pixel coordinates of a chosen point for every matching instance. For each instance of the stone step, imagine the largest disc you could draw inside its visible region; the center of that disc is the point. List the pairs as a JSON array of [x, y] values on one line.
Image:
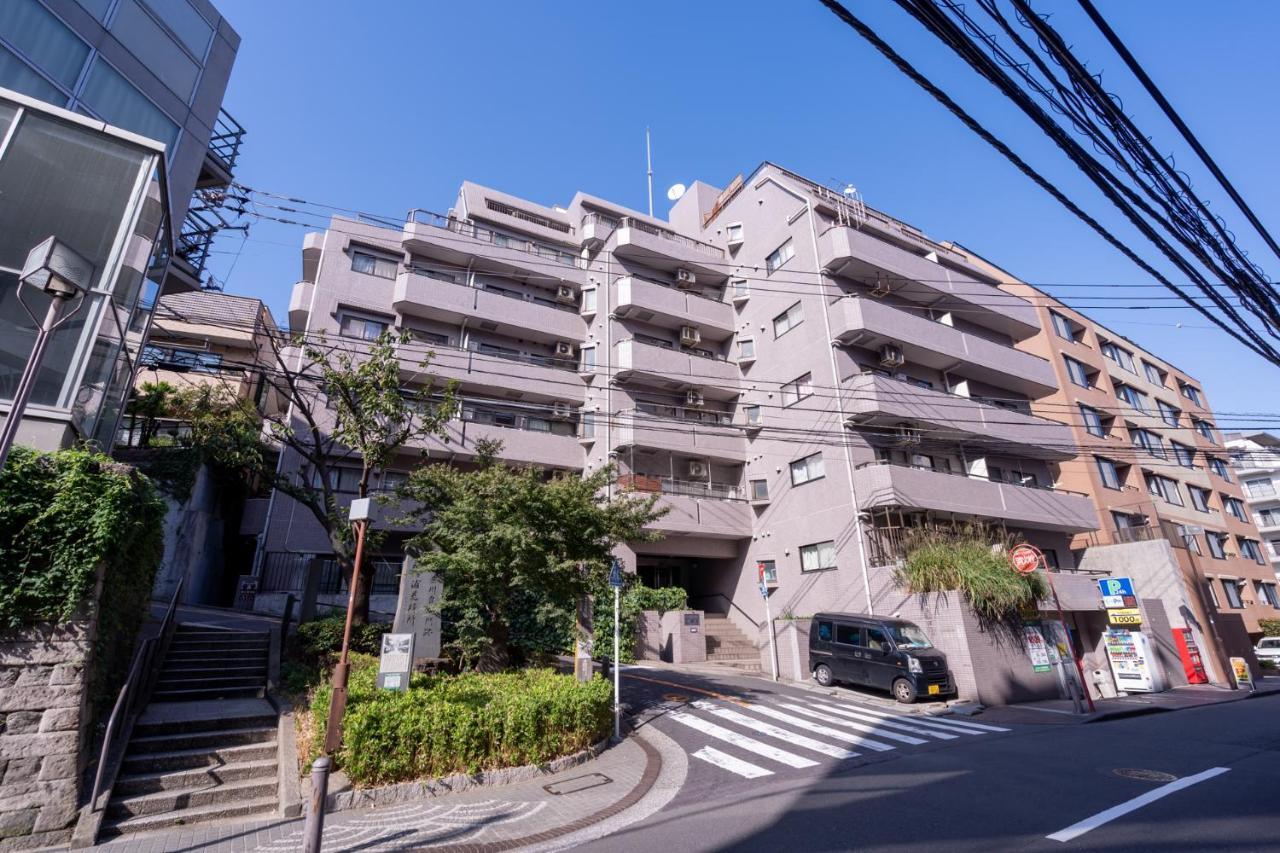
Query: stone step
[[190, 759], [204, 695], [259, 806], [200, 777], [203, 726], [212, 739], [191, 631], [211, 681], [179, 669], [161, 802], [202, 659], [218, 647]]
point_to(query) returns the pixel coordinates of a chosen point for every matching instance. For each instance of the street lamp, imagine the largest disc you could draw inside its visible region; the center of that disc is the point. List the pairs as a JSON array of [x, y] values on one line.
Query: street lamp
[[64, 275]]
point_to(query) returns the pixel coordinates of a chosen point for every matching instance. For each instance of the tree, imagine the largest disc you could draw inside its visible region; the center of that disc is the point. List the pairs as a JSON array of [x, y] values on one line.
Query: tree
[[153, 401], [499, 537]]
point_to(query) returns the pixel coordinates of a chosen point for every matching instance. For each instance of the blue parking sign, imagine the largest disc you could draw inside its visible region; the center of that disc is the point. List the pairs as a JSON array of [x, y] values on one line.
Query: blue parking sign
[[1116, 586]]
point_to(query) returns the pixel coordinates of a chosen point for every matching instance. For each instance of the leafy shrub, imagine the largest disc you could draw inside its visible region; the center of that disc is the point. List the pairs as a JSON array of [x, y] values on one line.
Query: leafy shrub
[[62, 515], [461, 723], [1270, 627], [636, 598], [320, 641], [941, 561]]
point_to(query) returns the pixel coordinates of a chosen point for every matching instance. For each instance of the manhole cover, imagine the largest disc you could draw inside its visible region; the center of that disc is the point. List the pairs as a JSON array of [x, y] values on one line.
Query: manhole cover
[[577, 783], [1145, 775]]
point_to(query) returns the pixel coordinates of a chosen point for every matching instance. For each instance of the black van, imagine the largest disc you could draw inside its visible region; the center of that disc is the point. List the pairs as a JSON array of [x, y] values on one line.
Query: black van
[[890, 654]]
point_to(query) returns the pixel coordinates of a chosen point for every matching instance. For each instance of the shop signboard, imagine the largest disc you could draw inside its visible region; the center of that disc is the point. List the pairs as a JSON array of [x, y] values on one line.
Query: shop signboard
[[1125, 616], [1037, 649]]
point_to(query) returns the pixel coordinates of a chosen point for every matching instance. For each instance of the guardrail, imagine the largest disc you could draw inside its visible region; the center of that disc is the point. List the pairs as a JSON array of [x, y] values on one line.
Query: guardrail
[[507, 241], [689, 242]]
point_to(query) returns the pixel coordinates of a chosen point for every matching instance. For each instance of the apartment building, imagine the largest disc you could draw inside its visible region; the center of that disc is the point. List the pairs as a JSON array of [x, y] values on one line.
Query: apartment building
[[1157, 469], [1256, 458], [801, 380]]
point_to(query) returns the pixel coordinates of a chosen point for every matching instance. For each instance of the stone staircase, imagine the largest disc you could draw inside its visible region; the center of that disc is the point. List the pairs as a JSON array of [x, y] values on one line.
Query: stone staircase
[[727, 645], [205, 747]]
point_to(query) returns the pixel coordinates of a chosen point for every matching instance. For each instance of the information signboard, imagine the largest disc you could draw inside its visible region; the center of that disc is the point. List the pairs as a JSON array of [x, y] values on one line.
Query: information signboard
[[396, 662], [1037, 649]]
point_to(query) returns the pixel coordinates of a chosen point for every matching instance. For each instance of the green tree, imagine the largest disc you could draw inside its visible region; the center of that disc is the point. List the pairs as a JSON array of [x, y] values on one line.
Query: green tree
[[499, 537], [154, 400]]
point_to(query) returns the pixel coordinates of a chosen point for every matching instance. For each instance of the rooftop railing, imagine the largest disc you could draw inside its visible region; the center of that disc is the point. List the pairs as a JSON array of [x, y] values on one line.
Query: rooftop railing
[[688, 242], [498, 238]]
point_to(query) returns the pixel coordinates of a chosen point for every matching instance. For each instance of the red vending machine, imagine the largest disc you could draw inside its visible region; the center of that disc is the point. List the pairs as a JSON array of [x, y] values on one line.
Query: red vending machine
[[1192, 664]]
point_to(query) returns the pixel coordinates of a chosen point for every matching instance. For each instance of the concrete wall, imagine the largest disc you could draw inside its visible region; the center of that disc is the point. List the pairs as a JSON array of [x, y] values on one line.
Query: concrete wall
[[193, 540]]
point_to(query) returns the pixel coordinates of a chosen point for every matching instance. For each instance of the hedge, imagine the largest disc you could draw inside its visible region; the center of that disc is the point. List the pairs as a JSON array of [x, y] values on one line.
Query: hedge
[[62, 515], [636, 598], [1270, 627], [447, 724]]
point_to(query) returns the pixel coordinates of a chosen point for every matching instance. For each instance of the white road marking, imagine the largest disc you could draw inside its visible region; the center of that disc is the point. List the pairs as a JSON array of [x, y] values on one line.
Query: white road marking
[[769, 730], [948, 723], [742, 741], [862, 727], [1090, 823], [893, 724], [734, 765], [809, 725]]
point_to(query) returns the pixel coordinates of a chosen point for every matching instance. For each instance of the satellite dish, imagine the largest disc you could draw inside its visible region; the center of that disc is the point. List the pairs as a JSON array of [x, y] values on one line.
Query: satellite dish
[[675, 192]]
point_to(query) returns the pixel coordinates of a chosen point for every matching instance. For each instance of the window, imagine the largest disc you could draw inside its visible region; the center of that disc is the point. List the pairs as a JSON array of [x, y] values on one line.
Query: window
[[1199, 497], [587, 425], [759, 490], [1213, 594], [1154, 374], [1050, 558], [1218, 467], [1191, 392], [1092, 421], [797, 389], [1231, 587], [365, 328], [746, 349], [1109, 472], [849, 635], [46, 41], [1063, 326], [1149, 442], [587, 359], [1163, 487], [392, 480], [739, 288], [779, 256], [434, 338], [877, 640], [1122, 357], [1275, 547], [807, 469], [788, 320], [824, 632], [1168, 413], [437, 274], [1203, 427], [821, 555], [1217, 544], [753, 416], [139, 32], [1186, 456], [187, 24], [1260, 488], [1135, 398], [1251, 549], [116, 101], [1077, 372], [733, 233], [1234, 507], [1267, 592], [1269, 518], [588, 300]]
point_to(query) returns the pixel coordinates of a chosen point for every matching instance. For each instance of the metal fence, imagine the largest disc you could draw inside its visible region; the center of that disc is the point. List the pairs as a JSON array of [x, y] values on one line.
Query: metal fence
[[287, 572]]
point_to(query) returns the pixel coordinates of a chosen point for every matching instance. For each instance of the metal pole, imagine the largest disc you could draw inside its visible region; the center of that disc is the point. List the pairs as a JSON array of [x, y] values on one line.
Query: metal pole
[[773, 646], [314, 828], [1070, 648], [648, 156], [338, 700], [28, 380], [617, 650]]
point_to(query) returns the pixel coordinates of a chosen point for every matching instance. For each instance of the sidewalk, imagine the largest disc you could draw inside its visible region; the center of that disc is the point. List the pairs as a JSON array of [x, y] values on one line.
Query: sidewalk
[[626, 783], [1060, 711]]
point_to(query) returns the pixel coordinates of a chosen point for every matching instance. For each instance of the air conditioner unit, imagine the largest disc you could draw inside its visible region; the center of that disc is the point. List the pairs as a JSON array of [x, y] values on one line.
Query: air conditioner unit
[[560, 410], [564, 293], [905, 433], [685, 278], [697, 468], [564, 348], [891, 356], [689, 335], [693, 398]]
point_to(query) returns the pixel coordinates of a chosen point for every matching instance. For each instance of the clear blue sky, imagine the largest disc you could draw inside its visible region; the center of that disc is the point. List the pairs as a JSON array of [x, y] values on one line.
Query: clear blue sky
[[387, 105]]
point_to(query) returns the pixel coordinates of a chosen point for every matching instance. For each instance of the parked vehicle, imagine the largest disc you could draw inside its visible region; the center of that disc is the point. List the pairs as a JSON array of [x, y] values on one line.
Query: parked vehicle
[[1268, 648], [889, 654]]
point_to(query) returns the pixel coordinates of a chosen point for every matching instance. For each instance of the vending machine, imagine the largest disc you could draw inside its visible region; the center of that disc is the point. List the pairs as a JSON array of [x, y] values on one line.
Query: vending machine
[[1129, 653], [1192, 662]]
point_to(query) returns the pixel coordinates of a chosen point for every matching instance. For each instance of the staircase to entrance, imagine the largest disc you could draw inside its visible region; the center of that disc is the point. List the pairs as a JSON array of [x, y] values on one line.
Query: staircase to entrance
[[728, 645]]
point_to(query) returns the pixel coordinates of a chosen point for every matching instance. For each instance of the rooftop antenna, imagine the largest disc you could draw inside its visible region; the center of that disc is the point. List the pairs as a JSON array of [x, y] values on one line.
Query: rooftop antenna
[[648, 155]]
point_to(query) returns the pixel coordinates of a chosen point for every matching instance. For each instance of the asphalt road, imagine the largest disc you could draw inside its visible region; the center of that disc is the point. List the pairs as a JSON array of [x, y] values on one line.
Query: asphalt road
[[783, 768]]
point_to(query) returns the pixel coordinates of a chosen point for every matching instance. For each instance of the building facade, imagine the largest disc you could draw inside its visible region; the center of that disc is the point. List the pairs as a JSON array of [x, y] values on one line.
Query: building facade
[[1256, 457]]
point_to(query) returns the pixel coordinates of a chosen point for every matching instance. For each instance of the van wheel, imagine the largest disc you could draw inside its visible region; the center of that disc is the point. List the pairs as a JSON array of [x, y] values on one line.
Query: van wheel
[[822, 675], [903, 691]]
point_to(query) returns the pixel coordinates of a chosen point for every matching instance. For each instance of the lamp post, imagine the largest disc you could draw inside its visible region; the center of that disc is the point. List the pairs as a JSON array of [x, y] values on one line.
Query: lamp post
[[64, 275], [360, 515]]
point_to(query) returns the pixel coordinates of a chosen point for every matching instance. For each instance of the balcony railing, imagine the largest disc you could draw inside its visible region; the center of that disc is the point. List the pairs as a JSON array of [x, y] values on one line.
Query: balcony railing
[[942, 470], [672, 286], [569, 364], [687, 242], [498, 238], [224, 144], [684, 488], [609, 222]]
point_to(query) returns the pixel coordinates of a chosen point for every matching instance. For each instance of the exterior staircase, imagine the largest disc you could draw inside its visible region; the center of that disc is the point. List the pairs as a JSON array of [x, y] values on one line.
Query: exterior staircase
[[727, 645], [205, 748]]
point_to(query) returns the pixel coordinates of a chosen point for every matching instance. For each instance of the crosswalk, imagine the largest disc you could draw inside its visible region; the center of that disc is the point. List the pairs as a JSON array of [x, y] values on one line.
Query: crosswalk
[[753, 739]]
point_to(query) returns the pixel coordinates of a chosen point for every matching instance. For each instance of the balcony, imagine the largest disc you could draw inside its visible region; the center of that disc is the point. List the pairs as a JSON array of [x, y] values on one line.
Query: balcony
[[596, 228], [417, 295], [880, 401], [871, 323], [686, 437], [223, 153], [457, 242], [671, 367], [853, 254], [884, 485], [519, 446], [663, 249], [528, 377], [668, 306], [712, 510]]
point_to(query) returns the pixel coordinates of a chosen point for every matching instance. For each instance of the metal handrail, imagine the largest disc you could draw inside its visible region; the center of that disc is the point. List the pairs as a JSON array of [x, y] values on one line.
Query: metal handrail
[[744, 613], [134, 695]]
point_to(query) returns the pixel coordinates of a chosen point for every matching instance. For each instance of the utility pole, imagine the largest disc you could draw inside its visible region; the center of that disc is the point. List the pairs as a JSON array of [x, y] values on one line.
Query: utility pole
[[648, 155]]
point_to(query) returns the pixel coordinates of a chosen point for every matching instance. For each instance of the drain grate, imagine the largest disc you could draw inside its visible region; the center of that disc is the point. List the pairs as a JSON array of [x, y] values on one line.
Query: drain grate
[[1145, 775]]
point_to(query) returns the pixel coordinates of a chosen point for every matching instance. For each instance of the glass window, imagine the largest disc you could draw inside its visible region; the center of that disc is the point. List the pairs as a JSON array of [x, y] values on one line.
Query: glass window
[[140, 33], [18, 76], [821, 555], [1186, 456], [1218, 467], [365, 328], [733, 233], [1168, 413], [1269, 594], [1199, 498], [746, 349], [1062, 326], [588, 359], [115, 101], [1269, 518], [739, 288], [186, 23], [779, 256], [1092, 421], [909, 637], [1132, 396], [1163, 487], [587, 425], [588, 300], [1154, 374], [1260, 488], [807, 469], [1076, 370], [1191, 392], [371, 264], [1120, 356], [1213, 593], [877, 640], [1203, 427], [759, 490], [1251, 549], [1148, 441], [1231, 587], [824, 632], [1217, 544], [97, 8], [1109, 473], [849, 635], [788, 320], [46, 41], [753, 415], [797, 389], [1234, 507]]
